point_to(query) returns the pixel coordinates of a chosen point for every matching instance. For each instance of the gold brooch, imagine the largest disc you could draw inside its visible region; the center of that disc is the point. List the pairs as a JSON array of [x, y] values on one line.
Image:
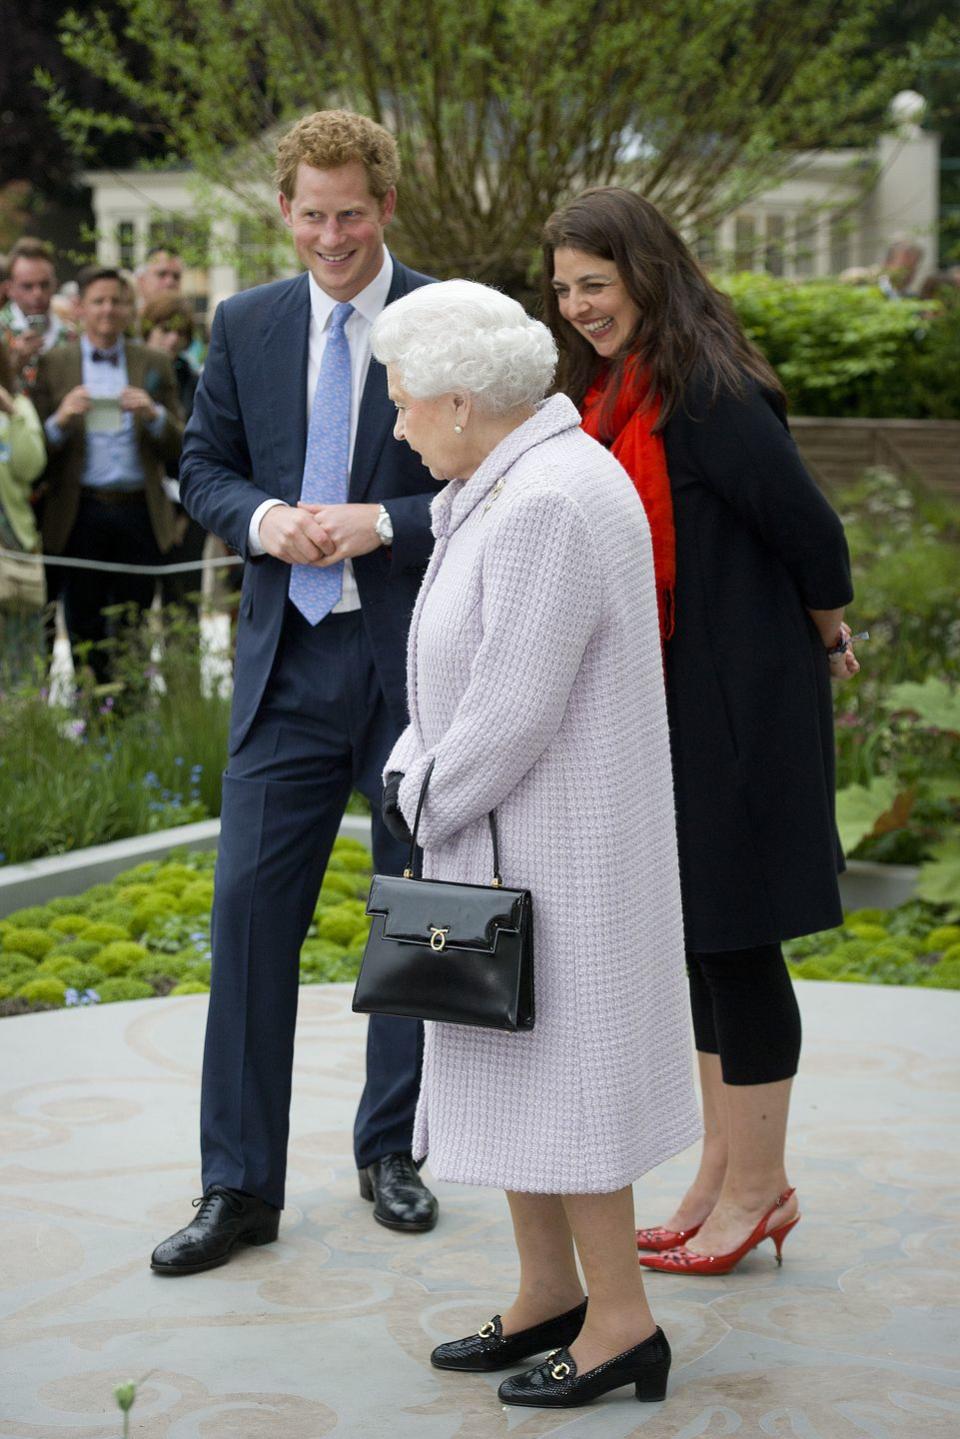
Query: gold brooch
[[494, 493]]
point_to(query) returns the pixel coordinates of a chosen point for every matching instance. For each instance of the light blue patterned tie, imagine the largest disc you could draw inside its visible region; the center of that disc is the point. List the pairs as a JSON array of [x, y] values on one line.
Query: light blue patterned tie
[[325, 477]]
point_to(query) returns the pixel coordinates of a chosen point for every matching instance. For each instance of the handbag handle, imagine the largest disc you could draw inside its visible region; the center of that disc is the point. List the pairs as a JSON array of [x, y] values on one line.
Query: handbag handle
[[497, 882]]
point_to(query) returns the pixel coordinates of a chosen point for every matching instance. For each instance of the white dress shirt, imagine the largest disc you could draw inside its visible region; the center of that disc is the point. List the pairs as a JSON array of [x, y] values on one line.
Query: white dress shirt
[[366, 307]]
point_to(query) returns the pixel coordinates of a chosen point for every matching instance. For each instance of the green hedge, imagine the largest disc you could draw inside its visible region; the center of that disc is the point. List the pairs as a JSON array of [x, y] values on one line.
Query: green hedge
[[847, 351], [148, 933], [169, 952]]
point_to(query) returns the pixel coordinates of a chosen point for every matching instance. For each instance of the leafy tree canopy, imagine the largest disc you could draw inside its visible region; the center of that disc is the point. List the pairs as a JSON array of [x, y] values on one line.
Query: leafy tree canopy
[[503, 107]]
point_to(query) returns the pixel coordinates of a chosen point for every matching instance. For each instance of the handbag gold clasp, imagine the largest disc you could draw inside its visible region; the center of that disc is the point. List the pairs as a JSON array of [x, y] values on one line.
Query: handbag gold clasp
[[438, 937]]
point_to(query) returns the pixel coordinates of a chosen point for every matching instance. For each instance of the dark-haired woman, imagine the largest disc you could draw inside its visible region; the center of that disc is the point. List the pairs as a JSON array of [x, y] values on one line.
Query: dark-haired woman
[[752, 578]]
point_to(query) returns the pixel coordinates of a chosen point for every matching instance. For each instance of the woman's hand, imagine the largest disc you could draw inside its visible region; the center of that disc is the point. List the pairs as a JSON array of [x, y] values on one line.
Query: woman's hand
[[390, 808], [843, 662]]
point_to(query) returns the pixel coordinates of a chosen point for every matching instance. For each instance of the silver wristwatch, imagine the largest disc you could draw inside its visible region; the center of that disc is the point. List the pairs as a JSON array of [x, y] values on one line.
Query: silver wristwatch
[[384, 526]]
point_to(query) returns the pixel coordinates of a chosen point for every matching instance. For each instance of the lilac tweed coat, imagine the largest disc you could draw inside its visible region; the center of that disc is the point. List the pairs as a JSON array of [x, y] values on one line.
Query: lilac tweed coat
[[536, 683]]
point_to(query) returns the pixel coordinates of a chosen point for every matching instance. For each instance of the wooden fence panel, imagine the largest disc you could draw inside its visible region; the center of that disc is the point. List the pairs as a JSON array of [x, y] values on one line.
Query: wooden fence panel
[[837, 451]]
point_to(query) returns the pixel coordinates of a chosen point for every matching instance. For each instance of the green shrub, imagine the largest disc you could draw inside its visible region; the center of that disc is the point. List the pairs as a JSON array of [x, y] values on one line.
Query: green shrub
[[67, 904], [866, 916], [944, 937], [97, 893], [138, 874], [132, 894], [32, 942], [340, 885], [155, 906], [943, 975], [866, 931], [173, 877], [101, 932], [47, 992], [120, 957], [70, 925], [36, 917], [350, 854], [123, 987], [196, 898], [74, 973], [339, 924], [82, 949], [840, 350], [824, 966], [190, 986], [16, 969], [120, 915], [157, 967]]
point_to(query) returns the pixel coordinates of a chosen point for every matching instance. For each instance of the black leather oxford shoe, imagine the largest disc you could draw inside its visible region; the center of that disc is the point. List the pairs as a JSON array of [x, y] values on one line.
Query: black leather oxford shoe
[[491, 1349], [225, 1218], [400, 1198], [555, 1384]]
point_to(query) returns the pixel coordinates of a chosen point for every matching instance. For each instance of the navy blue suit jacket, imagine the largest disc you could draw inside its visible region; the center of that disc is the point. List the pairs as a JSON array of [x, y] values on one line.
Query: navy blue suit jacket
[[245, 443]]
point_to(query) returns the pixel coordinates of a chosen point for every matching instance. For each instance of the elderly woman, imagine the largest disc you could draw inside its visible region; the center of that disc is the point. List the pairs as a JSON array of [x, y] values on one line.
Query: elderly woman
[[536, 690]]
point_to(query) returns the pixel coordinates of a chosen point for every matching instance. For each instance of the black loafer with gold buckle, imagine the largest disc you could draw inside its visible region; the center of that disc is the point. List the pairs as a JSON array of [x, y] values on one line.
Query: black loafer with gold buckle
[[555, 1384], [491, 1349]]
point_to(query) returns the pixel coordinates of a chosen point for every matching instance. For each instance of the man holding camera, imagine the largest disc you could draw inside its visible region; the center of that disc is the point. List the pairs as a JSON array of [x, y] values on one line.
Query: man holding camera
[[28, 326]]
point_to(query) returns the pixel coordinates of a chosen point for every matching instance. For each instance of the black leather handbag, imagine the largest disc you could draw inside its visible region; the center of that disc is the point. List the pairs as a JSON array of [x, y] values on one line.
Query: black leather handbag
[[458, 953]]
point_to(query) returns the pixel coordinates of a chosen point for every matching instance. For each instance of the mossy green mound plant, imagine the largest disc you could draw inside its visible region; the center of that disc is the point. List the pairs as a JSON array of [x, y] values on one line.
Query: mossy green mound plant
[[916, 944], [148, 934]]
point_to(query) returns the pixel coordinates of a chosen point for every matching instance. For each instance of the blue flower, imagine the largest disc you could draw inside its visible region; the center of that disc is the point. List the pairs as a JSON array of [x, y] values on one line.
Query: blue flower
[[89, 996], [71, 998], [179, 759], [150, 780]]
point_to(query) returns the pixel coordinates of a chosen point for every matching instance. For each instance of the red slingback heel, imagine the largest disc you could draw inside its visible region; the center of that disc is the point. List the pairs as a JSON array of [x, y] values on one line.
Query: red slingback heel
[[658, 1239], [683, 1261]]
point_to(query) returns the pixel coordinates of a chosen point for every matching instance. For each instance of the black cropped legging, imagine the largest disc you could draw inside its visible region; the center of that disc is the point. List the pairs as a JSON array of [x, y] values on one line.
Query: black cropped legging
[[745, 1010]]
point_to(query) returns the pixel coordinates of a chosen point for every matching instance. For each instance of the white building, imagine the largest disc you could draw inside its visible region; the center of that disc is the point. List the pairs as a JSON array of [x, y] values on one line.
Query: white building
[[838, 209]]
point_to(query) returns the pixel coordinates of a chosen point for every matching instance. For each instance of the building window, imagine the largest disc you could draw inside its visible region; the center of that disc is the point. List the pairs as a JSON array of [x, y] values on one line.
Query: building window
[[773, 254], [190, 238], [126, 244], [744, 242]]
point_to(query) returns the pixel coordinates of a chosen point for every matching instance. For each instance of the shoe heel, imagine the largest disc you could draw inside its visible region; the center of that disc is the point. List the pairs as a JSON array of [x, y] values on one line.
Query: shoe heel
[[779, 1236], [651, 1387], [264, 1233], [366, 1185]]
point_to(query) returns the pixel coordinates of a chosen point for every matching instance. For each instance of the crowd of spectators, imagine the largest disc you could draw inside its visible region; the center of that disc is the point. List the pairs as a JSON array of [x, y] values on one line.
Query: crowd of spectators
[[97, 378]]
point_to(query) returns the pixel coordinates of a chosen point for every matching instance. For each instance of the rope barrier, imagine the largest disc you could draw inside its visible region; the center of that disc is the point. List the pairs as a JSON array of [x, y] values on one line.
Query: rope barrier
[[70, 562]]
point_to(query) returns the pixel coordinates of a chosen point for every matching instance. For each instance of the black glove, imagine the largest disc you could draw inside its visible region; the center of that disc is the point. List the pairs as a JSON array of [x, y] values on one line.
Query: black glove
[[390, 808]]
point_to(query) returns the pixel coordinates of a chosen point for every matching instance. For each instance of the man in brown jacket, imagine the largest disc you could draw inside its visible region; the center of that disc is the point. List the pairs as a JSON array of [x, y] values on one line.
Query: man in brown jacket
[[113, 429]]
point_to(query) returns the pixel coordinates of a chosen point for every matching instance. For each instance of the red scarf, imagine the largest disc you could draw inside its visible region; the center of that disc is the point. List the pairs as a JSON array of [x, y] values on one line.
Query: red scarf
[[642, 455]]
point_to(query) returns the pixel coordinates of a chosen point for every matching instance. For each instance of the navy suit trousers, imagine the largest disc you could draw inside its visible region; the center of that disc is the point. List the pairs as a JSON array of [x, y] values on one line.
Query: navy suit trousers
[[322, 729]]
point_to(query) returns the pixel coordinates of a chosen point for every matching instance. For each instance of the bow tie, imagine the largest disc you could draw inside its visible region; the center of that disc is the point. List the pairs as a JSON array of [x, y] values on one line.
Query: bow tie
[[105, 357]]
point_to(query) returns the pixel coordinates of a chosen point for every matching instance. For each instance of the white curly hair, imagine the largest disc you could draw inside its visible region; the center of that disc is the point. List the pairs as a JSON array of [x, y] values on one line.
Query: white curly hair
[[458, 335]]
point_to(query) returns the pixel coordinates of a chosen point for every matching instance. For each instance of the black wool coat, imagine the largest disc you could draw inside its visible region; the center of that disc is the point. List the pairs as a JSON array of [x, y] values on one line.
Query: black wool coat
[[748, 687]]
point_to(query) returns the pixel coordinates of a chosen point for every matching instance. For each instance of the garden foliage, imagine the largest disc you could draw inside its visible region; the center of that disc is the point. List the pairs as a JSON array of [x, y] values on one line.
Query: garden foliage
[[700, 106], [157, 937], [898, 723], [909, 945], [847, 351]]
